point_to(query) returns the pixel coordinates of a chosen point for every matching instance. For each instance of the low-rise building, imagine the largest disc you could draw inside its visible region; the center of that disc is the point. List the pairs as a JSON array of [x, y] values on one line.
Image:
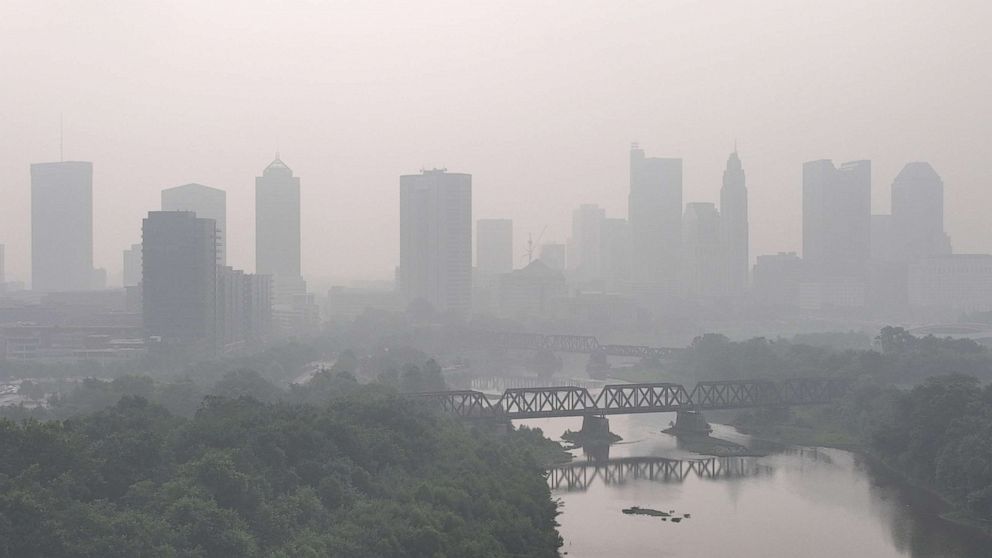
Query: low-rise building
[[530, 291], [956, 282]]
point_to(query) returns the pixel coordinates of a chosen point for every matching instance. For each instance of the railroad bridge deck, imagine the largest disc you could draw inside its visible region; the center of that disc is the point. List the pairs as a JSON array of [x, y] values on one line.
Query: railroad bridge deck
[[618, 399]]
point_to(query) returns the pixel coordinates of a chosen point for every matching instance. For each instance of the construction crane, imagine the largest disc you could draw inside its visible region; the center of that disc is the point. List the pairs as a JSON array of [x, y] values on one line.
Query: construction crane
[[531, 243]]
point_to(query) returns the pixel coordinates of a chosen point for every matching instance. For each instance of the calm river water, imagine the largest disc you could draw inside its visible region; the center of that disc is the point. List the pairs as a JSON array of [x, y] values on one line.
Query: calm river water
[[808, 502]]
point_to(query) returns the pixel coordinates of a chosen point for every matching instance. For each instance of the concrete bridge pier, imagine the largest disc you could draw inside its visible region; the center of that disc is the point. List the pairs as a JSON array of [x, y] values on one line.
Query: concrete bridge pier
[[595, 427], [690, 423]]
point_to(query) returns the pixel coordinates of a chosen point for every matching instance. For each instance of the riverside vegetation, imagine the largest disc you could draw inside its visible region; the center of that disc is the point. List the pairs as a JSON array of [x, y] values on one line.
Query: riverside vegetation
[[335, 469], [937, 433]]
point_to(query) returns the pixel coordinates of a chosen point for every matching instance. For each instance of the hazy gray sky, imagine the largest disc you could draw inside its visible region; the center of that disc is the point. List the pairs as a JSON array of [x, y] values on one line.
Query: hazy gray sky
[[538, 100]]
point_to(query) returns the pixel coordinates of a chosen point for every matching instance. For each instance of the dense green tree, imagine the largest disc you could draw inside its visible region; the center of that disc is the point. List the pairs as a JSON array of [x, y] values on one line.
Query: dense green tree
[[364, 473], [246, 383]]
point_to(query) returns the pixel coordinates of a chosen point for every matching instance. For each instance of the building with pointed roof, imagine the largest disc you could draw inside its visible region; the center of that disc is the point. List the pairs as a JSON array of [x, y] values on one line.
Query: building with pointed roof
[[734, 226], [277, 221]]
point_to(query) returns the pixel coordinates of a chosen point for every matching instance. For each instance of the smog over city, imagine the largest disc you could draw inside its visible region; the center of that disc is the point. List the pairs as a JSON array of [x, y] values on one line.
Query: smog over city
[[460, 279]]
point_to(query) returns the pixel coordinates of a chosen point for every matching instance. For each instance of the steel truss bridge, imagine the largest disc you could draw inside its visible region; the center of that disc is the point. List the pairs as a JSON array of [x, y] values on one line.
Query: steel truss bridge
[[579, 476], [621, 399], [565, 344]]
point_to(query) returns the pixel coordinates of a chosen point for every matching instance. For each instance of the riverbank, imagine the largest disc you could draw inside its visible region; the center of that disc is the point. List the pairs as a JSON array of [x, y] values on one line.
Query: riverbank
[[828, 437], [715, 447]]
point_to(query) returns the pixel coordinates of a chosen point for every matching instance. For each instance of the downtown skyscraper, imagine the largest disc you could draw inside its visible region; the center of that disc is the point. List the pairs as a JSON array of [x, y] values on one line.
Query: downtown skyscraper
[[62, 226], [277, 221], [836, 219], [179, 280], [703, 259], [436, 240], [917, 222], [655, 216], [734, 227], [585, 247], [207, 203]]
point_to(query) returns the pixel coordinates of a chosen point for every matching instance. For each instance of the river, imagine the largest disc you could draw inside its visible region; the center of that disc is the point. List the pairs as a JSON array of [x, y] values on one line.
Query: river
[[808, 502]]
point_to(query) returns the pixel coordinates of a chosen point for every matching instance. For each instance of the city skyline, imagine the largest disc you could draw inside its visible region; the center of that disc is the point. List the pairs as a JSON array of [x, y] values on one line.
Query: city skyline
[[582, 100], [915, 168]]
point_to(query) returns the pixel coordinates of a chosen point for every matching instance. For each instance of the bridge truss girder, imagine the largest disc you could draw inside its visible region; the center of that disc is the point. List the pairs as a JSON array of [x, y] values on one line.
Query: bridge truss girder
[[572, 401]]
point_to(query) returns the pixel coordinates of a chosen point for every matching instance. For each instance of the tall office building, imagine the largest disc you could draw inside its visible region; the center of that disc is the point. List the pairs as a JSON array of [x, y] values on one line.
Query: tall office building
[[494, 246], [436, 239], [836, 219], [62, 226], [277, 221], [179, 279], [917, 228], [131, 275], [207, 203], [655, 216], [703, 258], [734, 226], [585, 248]]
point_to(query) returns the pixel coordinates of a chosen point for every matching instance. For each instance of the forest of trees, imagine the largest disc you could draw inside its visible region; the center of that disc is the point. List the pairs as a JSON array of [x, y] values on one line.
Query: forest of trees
[[937, 434], [218, 460], [918, 404], [898, 358], [365, 473]]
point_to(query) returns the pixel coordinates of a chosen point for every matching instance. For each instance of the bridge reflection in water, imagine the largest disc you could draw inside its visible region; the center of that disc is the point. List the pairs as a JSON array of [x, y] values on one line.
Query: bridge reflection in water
[[579, 476]]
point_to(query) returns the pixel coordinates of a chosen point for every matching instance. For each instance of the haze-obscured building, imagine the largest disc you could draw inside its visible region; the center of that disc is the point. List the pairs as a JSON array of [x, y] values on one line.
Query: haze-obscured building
[[959, 283], [833, 293], [344, 304], [655, 216], [734, 227], [836, 219], [703, 261], [918, 214], [207, 203], [179, 280], [277, 221], [776, 280], [62, 226], [55, 344], [553, 254], [131, 271], [436, 240], [585, 247], [531, 291], [299, 316], [244, 309]]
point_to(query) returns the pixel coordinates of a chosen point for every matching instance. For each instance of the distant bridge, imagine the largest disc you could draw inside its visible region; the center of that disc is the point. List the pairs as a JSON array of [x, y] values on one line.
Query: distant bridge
[[565, 344], [621, 399], [579, 476]]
